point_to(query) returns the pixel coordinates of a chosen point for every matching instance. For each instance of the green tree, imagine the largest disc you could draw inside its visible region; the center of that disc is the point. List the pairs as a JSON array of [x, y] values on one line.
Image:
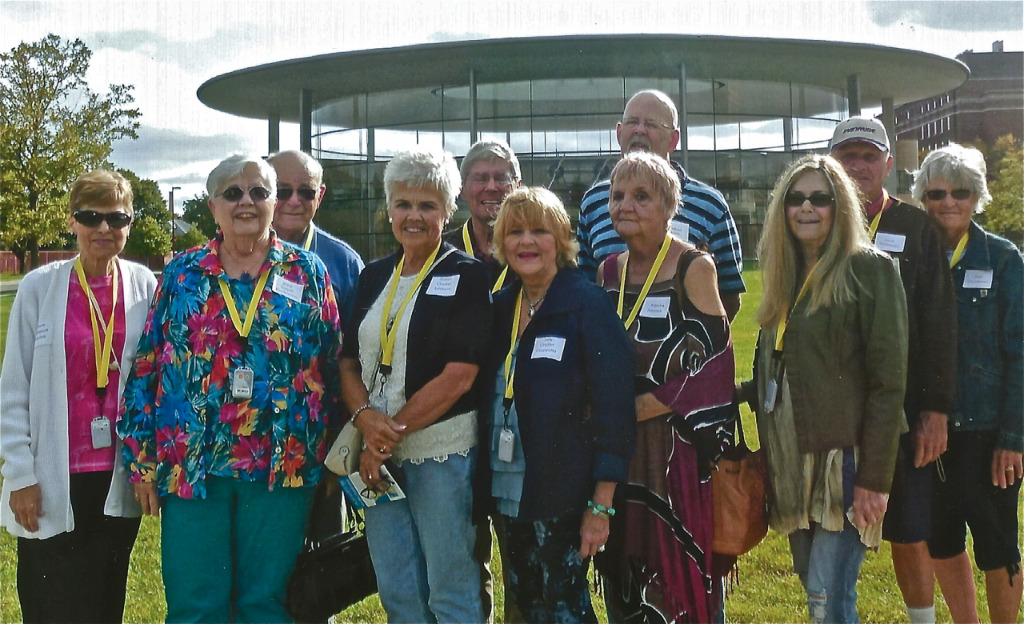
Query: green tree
[[1005, 214], [148, 237], [197, 212], [53, 128], [147, 201], [193, 238]]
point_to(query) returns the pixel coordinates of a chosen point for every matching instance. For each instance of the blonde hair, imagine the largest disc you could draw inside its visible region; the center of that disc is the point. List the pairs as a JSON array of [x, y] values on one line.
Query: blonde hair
[[530, 207], [653, 170], [782, 258], [101, 187]]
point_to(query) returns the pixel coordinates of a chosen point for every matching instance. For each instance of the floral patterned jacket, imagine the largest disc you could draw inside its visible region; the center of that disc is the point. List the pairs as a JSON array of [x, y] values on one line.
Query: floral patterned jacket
[[180, 422]]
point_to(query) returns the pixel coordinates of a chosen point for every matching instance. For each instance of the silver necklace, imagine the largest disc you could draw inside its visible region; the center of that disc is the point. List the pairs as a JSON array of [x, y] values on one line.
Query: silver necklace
[[533, 305]]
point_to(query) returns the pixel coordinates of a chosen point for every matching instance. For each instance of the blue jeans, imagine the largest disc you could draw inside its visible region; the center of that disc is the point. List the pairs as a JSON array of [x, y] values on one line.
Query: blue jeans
[[422, 546], [227, 558], [828, 563]]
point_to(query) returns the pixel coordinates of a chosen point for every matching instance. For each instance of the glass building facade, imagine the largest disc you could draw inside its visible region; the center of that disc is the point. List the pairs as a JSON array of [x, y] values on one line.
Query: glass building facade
[[739, 136]]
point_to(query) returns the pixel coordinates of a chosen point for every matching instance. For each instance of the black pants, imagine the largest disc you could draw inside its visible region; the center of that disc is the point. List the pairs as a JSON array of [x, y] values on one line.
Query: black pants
[[78, 576]]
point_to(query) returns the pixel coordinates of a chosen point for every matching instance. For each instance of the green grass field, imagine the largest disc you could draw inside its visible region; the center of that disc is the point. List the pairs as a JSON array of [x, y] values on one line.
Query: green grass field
[[766, 590]]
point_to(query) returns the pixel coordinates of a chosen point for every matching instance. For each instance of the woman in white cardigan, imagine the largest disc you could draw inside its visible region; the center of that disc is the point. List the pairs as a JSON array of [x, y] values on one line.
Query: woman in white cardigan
[[74, 327]]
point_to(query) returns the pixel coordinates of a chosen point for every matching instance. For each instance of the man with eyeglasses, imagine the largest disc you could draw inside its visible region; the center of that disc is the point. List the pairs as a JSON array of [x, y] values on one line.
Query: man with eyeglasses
[[490, 171], [908, 234], [650, 123], [300, 190]]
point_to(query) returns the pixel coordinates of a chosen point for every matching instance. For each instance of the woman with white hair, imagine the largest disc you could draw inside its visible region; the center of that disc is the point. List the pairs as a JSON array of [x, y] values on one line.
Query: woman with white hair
[[982, 463], [419, 333], [227, 407]]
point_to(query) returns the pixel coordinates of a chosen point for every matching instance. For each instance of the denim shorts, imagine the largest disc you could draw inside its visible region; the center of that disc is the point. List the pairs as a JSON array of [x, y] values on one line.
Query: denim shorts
[[967, 498], [908, 517]]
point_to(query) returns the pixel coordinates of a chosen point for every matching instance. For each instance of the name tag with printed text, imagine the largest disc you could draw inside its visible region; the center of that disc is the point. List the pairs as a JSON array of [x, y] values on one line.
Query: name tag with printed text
[[548, 347], [443, 285], [655, 307], [288, 288], [975, 278], [680, 230], [887, 241]]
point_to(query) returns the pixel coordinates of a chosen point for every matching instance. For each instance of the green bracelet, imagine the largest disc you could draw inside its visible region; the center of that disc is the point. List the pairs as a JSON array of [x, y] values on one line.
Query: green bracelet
[[598, 509]]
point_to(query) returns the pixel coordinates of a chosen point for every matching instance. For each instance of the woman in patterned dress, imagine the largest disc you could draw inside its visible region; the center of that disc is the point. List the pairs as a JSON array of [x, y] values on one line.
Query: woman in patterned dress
[[658, 564]]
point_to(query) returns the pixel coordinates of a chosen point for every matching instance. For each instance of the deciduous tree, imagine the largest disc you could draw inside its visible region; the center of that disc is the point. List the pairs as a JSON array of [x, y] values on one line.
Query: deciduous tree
[[53, 128]]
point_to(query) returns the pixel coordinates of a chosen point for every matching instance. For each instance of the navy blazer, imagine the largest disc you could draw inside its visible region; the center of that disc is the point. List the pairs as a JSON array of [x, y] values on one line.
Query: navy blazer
[[577, 416], [441, 329]]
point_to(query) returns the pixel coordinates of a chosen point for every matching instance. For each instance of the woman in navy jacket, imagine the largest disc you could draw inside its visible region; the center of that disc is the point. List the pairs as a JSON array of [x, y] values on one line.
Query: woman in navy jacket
[[561, 419]]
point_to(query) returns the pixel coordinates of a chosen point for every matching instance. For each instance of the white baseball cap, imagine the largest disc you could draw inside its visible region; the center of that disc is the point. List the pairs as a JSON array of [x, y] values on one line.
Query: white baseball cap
[[865, 129]]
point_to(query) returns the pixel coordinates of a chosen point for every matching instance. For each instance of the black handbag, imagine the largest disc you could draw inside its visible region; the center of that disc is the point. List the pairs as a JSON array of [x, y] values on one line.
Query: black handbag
[[334, 572]]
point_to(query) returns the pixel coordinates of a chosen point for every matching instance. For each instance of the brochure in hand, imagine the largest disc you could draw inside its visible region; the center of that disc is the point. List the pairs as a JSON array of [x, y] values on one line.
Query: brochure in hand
[[361, 496]]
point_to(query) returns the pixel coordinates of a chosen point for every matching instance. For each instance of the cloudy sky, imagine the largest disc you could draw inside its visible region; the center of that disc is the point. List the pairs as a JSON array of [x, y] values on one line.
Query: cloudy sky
[[167, 48]]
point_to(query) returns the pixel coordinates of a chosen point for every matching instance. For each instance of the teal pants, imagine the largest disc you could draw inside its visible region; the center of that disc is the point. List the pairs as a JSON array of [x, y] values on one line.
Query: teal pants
[[227, 558]]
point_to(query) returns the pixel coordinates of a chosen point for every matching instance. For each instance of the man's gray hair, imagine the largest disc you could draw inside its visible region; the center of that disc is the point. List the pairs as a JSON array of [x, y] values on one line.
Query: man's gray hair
[[490, 149], [312, 165]]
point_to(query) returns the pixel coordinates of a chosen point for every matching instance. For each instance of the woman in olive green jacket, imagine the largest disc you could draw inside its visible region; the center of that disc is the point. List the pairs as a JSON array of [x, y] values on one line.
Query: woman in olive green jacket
[[830, 377]]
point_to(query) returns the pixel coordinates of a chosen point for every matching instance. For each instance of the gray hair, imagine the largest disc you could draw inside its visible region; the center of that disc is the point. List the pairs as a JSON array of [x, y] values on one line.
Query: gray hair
[[423, 167], [232, 167], [962, 167], [490, 149], [312, 165], [662, 97]]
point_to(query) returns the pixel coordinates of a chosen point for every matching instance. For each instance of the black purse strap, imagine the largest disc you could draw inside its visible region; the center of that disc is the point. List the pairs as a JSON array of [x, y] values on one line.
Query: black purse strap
[[325, 514]]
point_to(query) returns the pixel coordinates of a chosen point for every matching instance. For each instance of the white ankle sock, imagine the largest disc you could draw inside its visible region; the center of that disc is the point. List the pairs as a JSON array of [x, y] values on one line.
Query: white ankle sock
[[922, 615]]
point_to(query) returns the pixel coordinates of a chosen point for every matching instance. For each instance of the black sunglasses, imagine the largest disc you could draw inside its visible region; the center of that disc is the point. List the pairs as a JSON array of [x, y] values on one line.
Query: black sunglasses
[[940, 194], [235, 193], [91, 218], [307, 194], [818, 200]]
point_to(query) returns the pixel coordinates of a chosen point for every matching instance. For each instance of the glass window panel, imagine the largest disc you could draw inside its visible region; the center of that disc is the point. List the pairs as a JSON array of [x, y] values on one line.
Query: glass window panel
[[811, 134], [762, 134], [700, 132], [727, 132]]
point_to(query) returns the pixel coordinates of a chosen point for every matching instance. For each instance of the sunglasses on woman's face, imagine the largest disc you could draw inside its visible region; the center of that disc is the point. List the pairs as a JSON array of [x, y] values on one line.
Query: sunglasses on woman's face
[[307, 194], [91, 218], [818, 200], [940, 194], [235, 193]]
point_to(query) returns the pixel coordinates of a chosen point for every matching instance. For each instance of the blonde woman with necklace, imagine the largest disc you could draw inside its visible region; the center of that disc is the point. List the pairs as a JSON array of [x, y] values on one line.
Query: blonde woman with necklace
[[73, 331], [559, 421]]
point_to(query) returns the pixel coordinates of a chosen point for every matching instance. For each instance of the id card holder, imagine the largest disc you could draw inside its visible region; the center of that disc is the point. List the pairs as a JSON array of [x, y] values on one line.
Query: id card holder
[[506, 444], [242, 381], [771, 392], [100, 428]]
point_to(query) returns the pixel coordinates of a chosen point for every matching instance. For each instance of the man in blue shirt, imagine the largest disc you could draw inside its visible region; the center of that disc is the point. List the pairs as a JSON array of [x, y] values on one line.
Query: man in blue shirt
[[300, 189], [650, 123]]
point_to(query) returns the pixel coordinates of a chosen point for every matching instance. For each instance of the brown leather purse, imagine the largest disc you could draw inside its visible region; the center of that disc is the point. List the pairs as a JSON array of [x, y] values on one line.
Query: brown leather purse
[[740, 495]]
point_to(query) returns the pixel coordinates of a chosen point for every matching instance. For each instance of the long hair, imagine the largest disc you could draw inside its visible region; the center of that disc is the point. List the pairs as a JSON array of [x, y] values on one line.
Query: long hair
[[781, 256]]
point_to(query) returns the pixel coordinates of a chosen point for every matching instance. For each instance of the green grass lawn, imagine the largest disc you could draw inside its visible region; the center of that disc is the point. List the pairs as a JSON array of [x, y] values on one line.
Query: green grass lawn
[[766, 590]]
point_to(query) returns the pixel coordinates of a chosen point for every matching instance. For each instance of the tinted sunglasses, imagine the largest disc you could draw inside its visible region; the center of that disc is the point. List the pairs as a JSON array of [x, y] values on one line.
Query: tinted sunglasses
[[940, 194], [235, 193], [307, 194], [818, 200], [91, 218]]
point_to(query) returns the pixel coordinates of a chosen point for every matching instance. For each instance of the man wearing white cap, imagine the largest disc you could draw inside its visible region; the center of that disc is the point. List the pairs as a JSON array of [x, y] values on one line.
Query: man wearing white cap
[[908, 234]]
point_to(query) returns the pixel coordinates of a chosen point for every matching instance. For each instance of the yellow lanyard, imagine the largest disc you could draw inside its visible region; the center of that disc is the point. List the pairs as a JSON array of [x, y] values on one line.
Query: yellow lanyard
[[467, 242], [958, 253], [509, 372], [102, 347], [878, 217], [309, 238], [387, 338], [658, 261], [250, 313], [799, 296]]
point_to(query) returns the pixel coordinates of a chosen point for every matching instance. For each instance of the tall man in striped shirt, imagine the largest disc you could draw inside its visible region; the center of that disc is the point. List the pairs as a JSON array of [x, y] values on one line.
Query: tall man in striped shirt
[[651, 123]]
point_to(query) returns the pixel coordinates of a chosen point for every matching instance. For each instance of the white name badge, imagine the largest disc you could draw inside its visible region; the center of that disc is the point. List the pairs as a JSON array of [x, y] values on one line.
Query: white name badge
[[443, 285], [680, 230], [549, 347], [43, 335], [288, 288], [887, 241], [655, 307], [973, 278]]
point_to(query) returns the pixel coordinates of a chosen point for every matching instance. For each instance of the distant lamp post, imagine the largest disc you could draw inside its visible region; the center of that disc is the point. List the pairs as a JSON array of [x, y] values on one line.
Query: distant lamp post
[[171, 200]]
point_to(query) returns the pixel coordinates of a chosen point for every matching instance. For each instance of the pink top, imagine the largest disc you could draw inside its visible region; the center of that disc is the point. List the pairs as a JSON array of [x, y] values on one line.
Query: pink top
[[83, 402]]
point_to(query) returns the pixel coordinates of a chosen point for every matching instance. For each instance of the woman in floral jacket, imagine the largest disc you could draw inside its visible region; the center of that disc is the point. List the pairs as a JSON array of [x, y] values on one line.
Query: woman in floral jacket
[[226, 409]]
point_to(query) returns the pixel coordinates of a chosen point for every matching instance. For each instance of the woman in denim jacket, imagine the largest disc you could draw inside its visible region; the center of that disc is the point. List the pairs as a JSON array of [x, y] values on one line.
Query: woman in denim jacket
[[980, 481]]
